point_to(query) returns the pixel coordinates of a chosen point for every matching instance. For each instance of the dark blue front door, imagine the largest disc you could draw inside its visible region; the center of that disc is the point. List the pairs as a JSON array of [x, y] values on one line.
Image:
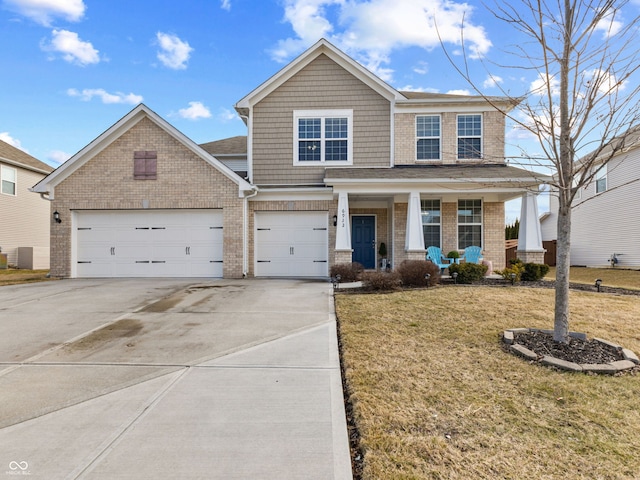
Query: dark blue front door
[[363, 240]]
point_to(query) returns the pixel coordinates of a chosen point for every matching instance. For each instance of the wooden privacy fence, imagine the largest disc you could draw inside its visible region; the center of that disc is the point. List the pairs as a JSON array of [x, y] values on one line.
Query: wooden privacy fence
[[549, 257]]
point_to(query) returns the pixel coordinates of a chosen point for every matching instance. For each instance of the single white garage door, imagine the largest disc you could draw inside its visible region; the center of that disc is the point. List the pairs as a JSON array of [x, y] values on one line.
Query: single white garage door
[[148, 243], [291, 244]]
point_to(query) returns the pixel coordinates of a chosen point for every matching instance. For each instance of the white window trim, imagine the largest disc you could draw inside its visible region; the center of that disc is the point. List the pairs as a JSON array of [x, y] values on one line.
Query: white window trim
[[481, 136], [322, 114], [439, 137], [601, 175], [439, 224], [4, 168], [481, 224]]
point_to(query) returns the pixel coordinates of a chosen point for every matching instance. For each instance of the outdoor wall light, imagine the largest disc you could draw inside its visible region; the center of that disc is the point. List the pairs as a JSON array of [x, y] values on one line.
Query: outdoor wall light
[[455, 277], [335, 220], [56, 217], [598, 283], [513, 278]]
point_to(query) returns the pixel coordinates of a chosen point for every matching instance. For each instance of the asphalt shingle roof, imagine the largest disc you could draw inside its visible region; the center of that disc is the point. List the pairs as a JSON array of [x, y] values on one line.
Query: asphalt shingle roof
[[16, 156]]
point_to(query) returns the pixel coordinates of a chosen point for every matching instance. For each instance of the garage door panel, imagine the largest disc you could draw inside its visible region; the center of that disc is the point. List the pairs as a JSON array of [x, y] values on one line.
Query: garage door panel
[[145, 243], [291, 244]]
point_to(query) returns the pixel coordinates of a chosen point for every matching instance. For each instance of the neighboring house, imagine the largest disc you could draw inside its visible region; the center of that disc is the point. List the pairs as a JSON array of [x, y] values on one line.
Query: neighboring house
[[603, 220], [335, 163], [24, 218]]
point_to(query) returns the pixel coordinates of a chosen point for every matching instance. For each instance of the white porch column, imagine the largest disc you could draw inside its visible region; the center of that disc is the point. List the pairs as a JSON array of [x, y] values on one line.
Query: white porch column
[[414, 241], [343, 228], [530, 234]]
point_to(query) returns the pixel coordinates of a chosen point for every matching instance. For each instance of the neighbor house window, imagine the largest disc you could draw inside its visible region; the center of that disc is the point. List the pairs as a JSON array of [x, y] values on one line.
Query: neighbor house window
[[469, 137], [601, 180], [145, 165], [323, 136], [431, 222], [428, 137], [469, 223], [9, 179]]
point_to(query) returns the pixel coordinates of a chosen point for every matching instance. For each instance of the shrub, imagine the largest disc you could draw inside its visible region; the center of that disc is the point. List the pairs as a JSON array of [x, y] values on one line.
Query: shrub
[[468, 272], [381, 281], [453, 254], [412, 273], [349, 272], [515, 266], [534, 271]]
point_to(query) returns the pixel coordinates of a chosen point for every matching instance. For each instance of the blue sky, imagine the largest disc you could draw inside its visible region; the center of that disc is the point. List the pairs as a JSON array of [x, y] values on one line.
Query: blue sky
[[72, 68]]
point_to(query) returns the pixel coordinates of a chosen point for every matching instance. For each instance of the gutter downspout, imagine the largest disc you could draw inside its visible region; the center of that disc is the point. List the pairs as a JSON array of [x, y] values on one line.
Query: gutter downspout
[[245, 228]]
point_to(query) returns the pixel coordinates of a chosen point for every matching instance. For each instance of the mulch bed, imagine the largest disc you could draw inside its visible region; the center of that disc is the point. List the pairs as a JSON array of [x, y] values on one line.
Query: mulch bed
[[576, 350]]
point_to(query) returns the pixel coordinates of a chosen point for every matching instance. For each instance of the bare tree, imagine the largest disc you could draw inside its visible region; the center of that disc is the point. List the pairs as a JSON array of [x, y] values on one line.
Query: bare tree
[[585, 56]]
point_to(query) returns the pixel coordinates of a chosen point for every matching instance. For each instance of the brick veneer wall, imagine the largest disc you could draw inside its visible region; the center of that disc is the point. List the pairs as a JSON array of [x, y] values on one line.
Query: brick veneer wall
[[183, 181]]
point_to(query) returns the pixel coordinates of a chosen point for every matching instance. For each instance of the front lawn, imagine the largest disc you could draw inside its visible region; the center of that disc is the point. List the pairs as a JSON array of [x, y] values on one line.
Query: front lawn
[[13, 276], [436, 397], [611, 277]]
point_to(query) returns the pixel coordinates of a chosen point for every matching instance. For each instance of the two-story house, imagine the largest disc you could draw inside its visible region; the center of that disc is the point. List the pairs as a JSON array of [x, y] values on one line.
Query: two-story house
[[24, 218], [335, 163], [601, 220]]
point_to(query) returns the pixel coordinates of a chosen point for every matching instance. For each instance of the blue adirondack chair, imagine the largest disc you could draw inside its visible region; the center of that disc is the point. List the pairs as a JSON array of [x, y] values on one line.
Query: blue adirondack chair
[[434, 255], [472, 255]]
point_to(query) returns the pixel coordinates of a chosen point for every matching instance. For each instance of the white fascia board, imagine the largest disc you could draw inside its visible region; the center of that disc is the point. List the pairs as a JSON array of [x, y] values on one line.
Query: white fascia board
[[434, 188], [322, 46], [14, 163], [529, 181], [292, 194]]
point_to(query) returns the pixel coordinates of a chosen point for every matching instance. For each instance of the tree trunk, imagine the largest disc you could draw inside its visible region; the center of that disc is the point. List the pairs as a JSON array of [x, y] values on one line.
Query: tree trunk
[[561, 321]]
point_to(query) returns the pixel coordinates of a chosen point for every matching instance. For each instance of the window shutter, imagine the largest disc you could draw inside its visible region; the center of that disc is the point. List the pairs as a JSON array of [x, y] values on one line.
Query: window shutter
[[145, 164]]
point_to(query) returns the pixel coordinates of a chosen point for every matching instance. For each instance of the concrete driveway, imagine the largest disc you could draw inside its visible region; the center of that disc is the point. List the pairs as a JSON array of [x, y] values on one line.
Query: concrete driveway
[[167, 378]]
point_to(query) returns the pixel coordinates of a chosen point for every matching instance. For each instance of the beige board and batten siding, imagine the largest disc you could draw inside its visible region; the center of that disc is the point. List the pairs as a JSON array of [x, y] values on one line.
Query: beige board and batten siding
[[184, 181], [607, 222], [25, 220], [320, 85], [493, 125]]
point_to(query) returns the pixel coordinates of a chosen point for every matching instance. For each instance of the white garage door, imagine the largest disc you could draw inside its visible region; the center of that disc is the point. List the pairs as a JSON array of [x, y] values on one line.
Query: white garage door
[[291, 244], [148, 243]]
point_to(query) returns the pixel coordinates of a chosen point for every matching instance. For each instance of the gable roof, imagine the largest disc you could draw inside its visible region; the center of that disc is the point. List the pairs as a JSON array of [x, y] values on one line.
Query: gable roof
[[48, 184], [320, 48], [16, 157], [235, 146]]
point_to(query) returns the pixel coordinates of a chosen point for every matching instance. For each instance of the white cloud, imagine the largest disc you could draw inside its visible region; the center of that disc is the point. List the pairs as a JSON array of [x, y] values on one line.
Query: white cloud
[[227, 115], [411, 88], [542, 86], [225, 5], [14, 142], [459, 92], [422, 68], [174, 52], [606, 83], [58, 156], [44, 11], [370, 30], [73, 49], [492, 81], [88, 93], [609, 26], [195, 111]]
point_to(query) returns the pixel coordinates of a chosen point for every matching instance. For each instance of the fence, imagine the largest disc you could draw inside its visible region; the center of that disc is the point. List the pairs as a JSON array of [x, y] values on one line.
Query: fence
[[549, 257]]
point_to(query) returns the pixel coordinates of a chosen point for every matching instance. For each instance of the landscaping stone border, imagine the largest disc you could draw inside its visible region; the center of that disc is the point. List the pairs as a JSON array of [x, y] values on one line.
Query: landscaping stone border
[[629, 360]]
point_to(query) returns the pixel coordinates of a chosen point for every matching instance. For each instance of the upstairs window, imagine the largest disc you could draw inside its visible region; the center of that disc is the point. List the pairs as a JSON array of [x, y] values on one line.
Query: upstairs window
[[9, 177], [428, 137], [601, 180], [323, 136], [145, 165], [469, 137]]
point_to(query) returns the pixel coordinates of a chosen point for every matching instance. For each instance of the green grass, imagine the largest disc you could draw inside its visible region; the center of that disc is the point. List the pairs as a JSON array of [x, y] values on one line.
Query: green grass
[[611, 277], [436, 397]]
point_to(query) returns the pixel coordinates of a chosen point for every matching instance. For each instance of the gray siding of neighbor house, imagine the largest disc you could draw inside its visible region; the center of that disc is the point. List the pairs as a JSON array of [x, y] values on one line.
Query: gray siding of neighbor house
[[25, 219], [608, 222], [321, 85]]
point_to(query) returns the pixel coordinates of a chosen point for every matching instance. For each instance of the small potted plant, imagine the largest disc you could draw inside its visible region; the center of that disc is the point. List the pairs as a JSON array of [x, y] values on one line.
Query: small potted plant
[[454, 255], [382, 251]]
